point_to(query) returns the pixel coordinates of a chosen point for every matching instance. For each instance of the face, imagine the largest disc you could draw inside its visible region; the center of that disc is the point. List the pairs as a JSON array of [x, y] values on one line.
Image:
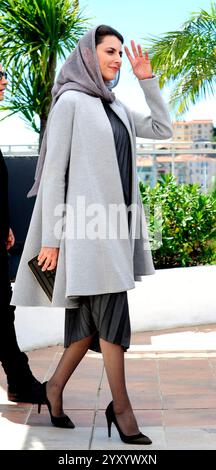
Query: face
[[109, 54], [3, 84]]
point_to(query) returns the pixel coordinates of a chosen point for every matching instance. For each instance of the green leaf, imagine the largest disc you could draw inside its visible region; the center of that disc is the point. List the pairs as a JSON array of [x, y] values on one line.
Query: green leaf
[[188, 223], [186, 60], [34, 36]]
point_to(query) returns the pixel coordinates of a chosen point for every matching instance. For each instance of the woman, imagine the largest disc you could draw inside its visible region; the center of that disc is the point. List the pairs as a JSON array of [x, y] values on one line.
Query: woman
[[88, 161]]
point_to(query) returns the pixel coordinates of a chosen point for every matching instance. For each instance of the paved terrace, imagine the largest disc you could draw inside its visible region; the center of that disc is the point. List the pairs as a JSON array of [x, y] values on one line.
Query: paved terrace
[[171, 381]]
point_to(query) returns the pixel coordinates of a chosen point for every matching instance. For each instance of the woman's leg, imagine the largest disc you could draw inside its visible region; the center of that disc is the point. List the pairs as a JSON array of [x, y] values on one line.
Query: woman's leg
[[67, 365], [113, 356]]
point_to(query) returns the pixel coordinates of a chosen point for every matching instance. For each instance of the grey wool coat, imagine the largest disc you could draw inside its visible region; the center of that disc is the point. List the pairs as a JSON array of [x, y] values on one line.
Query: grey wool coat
[[80, 144]]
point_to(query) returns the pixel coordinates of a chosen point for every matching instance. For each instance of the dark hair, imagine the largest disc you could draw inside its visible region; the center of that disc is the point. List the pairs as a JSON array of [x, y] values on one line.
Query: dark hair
[[103, 31]]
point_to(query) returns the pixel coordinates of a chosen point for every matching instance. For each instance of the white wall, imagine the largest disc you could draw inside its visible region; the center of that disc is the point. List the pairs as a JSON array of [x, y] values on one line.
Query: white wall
[[174, 297], [170, 298]]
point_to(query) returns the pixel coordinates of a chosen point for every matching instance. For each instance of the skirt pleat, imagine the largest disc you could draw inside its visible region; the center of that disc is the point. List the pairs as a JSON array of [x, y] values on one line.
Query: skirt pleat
[[105, 316]]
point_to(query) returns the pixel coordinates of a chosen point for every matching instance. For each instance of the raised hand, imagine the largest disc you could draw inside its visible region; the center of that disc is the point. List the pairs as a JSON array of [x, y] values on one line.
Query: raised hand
[[140, 63]]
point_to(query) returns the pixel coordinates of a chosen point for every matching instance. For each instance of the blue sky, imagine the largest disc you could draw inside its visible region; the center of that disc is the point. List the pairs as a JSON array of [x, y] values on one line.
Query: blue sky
[[135, 19], [141, 17]]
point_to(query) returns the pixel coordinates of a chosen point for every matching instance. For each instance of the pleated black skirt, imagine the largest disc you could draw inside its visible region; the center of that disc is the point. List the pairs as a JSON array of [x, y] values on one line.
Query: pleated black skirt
[[106, 316]]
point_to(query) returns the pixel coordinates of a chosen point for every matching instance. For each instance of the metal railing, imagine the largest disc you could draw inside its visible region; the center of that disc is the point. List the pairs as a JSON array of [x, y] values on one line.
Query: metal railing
[[20, 149], [163, 147], [188, 161], [160, 147]]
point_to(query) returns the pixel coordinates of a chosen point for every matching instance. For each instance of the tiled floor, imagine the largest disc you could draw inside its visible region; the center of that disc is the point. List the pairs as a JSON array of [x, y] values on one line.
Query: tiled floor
[[171, 377]]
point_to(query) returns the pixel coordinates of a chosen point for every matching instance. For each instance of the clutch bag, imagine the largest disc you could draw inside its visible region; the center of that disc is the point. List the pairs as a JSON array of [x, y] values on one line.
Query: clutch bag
[[46, 278]]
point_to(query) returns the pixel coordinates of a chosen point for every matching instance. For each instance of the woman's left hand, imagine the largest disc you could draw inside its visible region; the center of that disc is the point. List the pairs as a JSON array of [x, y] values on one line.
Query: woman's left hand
[[140, 63]]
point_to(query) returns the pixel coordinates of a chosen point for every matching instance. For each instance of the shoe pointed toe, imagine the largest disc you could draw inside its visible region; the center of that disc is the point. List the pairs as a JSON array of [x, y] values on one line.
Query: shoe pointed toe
[[57, 421], [137, 439], [62, 422]]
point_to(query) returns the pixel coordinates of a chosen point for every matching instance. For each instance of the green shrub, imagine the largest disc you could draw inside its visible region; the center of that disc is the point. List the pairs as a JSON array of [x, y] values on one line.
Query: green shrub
[[188, 223]]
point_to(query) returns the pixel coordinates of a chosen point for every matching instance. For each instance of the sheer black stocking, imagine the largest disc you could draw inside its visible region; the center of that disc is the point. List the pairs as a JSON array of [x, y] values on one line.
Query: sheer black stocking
[[67, 365], [113, 356]]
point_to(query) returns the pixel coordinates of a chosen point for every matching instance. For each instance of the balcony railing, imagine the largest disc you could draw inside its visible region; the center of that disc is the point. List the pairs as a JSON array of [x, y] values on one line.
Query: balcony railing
[[160, 147], [20, 149], [190, 162]]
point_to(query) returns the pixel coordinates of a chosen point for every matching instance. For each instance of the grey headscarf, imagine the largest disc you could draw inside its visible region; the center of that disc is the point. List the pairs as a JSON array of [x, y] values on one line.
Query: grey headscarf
[[80, 72]]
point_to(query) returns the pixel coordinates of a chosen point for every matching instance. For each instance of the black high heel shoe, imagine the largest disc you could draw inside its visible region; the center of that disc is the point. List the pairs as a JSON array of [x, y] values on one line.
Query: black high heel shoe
[[139, 438], [58, 421]]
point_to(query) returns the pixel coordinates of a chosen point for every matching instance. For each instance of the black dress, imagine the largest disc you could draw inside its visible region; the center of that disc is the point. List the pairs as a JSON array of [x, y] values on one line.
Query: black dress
[[106, 315]]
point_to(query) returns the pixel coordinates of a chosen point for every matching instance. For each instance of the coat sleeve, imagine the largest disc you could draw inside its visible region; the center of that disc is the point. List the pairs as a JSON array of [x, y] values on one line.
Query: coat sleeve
[[158, 125], [59, 137]]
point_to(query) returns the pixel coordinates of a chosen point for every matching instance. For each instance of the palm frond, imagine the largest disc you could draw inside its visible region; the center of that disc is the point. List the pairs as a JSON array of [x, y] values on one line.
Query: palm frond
[[34, 35], [187, 59]]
